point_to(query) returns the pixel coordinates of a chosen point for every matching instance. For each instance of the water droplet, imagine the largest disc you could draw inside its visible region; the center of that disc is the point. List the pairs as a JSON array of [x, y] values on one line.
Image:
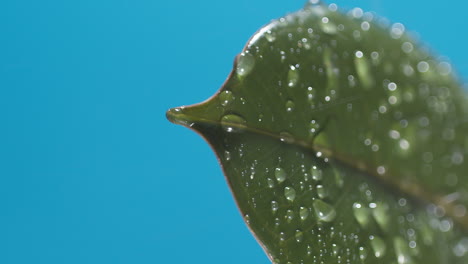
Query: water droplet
[[392, 86], [299, 236], [327, 26], [361, 214], [286, 137], [290, 106], [381, 170], [444, 68], [289, 215], [280, 174], [423, 66], [316, 173], [233, 123], [363, 70], [401, 250], [303, 213], [380, 213], [362, 253], [247, 218], [324, 211], [227, 155], [245, 64], [310, 93], [313, 127], [339, 178], [270, 183], [397, 30], [335, 249], [407, 47], [378, 245], [290, 193], [293, 76], [270, 36], [274, 206], [226, 97], [321, 192], [365, 26]]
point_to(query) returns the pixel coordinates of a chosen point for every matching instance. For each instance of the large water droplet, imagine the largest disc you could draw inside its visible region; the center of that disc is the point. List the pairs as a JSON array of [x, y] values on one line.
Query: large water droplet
[[324, 211], [245, 64], [361, 214], [378, 245], [233, 123], [280, 174], [290, 193]]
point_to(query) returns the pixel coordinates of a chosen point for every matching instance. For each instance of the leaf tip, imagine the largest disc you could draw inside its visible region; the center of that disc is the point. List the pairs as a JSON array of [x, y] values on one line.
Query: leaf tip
[[177, 116]]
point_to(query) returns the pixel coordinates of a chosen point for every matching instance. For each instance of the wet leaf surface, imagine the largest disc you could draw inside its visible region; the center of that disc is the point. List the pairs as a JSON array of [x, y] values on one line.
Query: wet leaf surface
[[343, 141]]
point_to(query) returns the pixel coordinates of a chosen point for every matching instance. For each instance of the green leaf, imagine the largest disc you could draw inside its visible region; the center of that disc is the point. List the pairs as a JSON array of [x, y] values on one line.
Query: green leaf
[[343, 141]]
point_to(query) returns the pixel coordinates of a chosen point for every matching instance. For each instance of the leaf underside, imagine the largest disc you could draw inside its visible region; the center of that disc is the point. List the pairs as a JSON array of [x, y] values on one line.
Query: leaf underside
[[343, 141]]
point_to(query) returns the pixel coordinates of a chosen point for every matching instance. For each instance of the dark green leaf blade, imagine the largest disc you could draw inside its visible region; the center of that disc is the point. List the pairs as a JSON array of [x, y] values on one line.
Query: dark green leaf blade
[[342, 141]]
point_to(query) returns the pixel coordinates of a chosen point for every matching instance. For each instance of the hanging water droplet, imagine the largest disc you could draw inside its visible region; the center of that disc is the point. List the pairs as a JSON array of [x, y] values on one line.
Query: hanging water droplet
[[226, 97], [233, 123], [290, 106], [280, 174], [299, 236], [290, 193], [245, 64], [378, 245], [274, 206], [361, 214], [324, 211], [316, 173], [303, 213], [321, 191], [293, 76]]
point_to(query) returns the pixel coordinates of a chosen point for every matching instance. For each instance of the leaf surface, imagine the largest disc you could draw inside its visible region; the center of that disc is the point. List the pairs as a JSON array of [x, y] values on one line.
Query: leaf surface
[[343, 141]]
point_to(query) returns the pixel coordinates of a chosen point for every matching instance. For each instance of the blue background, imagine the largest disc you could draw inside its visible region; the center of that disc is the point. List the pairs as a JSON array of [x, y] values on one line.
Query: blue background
[[90, 170]]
